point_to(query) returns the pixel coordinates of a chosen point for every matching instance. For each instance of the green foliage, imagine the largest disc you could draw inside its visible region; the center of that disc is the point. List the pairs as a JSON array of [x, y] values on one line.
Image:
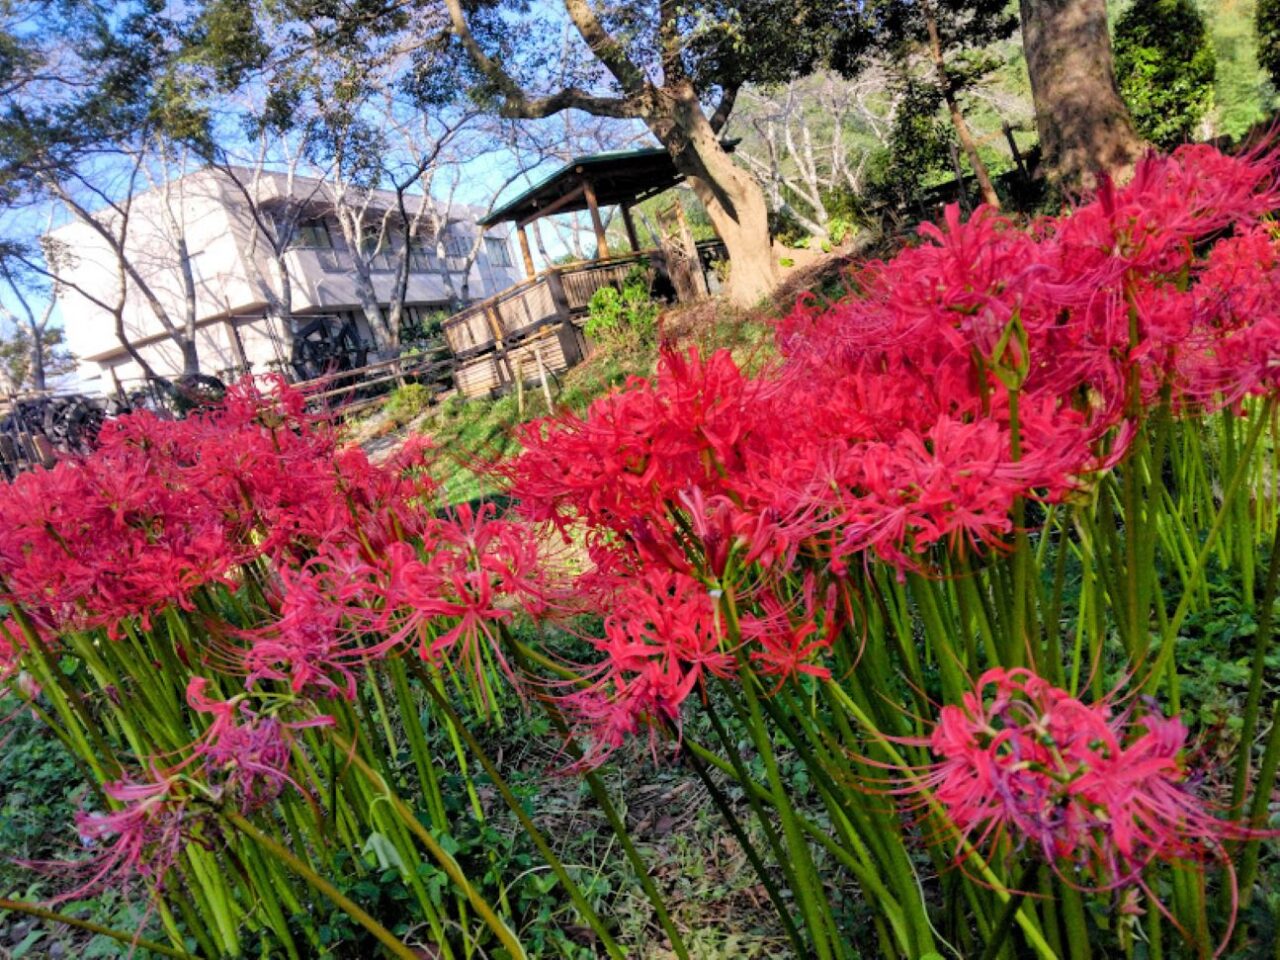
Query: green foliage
[[1165, 62], [40, 788], [919, 151], [1241, 94], [628, 314], [408, 402], [1267, 25], [15, 356]]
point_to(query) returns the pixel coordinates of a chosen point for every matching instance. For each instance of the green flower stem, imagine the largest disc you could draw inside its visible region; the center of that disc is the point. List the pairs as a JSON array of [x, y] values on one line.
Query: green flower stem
[[438, 853], [1257, 671], [18, 906], [735, 827], [877, 828], [739, 772], [1004, 924], [868, 878], [347, 906], [418, 745], [601, 796], [815, 916], [1024, 918], [513, 803], [1248, 858], [1164, 659], [66, 701]]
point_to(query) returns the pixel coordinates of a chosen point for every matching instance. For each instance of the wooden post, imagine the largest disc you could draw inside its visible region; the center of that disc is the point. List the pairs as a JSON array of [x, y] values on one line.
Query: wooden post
[[602, 245], [524, 250], [542, 375], [631, 228], [1013, 149], [237, 346], [520, 388]]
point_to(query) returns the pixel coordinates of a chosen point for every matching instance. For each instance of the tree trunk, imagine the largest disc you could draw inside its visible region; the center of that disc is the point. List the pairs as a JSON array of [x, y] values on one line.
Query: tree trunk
[[1084, 126], [733, 198], [190, 361], [963, 134], [36, 373]]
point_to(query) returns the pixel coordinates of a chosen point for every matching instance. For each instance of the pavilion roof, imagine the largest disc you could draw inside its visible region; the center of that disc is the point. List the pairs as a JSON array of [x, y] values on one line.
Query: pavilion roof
[[626, 176]]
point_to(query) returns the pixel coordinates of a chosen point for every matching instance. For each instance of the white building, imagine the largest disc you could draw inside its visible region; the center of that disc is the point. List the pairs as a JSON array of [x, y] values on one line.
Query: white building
[[232, 283]]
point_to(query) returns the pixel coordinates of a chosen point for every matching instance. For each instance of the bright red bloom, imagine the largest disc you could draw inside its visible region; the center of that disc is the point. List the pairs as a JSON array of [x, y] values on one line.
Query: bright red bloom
[[1088, 787]]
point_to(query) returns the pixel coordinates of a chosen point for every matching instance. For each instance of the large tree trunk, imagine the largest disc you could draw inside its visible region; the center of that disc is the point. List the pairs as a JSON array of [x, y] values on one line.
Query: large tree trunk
[[733, 198], [1084, 126]]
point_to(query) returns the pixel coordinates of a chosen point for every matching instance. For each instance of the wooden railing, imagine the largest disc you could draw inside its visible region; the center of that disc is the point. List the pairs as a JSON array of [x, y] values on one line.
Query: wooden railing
[[557, 294]]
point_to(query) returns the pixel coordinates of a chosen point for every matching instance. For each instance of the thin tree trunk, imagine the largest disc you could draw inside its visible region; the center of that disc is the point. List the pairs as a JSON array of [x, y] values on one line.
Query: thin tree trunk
[[1084, 126], [36, 373], [963, 134], [732, 197]]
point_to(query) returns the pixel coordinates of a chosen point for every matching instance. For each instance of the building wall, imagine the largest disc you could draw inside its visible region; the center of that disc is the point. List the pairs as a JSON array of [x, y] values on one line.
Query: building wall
[[234, 272]]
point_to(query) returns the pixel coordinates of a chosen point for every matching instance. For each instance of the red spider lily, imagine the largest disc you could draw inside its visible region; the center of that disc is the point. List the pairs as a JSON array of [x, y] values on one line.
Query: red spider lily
[[1089, 788], [784, 648], [242, 750], [141, 840], [986, 366], [664, 638], [311, 644]]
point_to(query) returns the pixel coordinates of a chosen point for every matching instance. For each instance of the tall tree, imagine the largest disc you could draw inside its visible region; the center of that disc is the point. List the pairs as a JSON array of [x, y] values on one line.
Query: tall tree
[[34, 351], [811, 139], [678, 68], [955, 36], [1166, 65], [91, 113], [1084, 126]]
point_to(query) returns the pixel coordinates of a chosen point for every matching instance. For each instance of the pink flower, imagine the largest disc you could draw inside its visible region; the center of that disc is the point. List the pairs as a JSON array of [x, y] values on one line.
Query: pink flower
[[1088, 788], [244, 751], [141, 840]]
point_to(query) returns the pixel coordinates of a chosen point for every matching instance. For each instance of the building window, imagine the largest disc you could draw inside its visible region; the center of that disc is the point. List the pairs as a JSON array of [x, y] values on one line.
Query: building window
[[313, 234], [422, 256], [498, 252], [457, 244]]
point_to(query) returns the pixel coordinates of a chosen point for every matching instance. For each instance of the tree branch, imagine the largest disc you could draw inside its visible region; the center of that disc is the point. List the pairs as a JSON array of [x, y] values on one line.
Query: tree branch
[[723, 110], [517, 103]]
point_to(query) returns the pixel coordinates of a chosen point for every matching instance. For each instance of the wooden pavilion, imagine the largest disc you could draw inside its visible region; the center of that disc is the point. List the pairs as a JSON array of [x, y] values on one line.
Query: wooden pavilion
[[534, 328]]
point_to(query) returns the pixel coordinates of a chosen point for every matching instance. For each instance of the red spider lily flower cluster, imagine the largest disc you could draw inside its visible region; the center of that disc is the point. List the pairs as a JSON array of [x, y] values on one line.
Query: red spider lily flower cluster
[[988, 365], [243, 753], [1096, 791], [349, 562]]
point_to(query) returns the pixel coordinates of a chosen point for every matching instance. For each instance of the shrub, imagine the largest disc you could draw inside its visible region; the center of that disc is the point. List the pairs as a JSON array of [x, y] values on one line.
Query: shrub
[[1165, 62], [627, 314], [408, 402]]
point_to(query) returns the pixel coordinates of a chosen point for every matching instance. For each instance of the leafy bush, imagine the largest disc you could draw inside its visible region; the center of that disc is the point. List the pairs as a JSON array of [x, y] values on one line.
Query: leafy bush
[[1165, 62], [626, 315], [408, 402]]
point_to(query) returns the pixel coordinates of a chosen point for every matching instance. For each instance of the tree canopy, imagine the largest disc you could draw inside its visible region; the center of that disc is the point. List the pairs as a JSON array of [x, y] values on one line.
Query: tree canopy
[[1165, 63]]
